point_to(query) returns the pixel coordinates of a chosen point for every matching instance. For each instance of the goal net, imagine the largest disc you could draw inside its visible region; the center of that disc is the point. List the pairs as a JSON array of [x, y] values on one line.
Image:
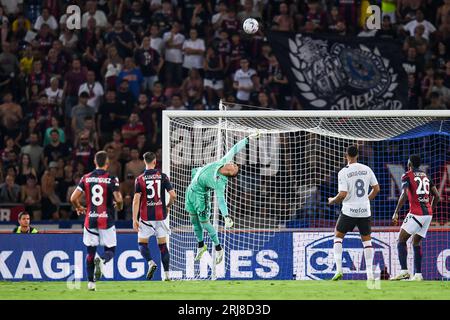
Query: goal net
[[283, 226]]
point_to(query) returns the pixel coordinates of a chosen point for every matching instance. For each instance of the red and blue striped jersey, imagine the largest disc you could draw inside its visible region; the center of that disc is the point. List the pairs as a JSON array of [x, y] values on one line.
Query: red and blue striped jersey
[[418, 186], [152, 185], [98, 187]]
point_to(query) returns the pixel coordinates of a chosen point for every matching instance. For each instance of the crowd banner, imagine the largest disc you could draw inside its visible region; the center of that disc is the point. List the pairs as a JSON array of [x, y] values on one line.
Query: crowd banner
[[342, 73]]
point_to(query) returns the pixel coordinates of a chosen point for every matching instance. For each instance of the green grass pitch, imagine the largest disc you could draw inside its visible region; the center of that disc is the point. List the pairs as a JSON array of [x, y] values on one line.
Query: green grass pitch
[[228, 290]]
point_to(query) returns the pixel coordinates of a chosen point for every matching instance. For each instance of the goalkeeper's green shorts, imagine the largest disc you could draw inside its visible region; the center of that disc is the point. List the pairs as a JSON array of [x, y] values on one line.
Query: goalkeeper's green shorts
[[198, 204]]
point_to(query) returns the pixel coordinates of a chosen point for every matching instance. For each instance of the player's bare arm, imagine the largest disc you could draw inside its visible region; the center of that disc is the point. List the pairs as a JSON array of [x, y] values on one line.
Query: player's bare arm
[[118, 200], [136, 202], [436, 197], [172, 198], [400, 204], [374, 192], [338, 198], [75, 200]]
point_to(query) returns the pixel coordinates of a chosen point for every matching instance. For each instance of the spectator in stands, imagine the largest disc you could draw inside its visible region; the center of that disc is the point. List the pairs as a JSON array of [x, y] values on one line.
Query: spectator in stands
[[387, 31], [24, 224], [135, 166], [438, 86], [44, 112], [150, 63], [214, 75], [55, 93], [136, 19], [157, 99], [436, 102], [10, 116], [92, 12], [31, 197], [429, 28], [173, 43], [48, 19], [50, 200], [156, 42], [25, 169], [132, 129], [9, 190], [34, 150], [126, 101], [193, 49], [115, 167], [54, 126], [116, 144], [133, 75], [80, 112], [283, 21], [94, 90], [84, 152], [72, 82], [192, 88], [176, 103], [55, 149], [111, 67], [244, 82], [121, 39]]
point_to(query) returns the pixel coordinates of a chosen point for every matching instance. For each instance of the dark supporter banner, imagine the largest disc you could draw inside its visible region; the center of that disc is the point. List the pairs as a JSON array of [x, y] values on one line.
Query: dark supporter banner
[[342, 73]]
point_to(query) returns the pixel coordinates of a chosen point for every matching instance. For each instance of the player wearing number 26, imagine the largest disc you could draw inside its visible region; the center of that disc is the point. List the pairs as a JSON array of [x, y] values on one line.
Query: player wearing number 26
[[354, 181], [149, 203], [102, 197], [417, 187]]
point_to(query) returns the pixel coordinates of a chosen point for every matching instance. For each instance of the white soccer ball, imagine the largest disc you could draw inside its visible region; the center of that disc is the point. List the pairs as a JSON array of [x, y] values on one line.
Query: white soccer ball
[[250, 26]]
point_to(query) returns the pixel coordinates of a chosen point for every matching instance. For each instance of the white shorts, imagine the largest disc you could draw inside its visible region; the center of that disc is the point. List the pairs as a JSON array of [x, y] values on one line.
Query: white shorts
[[414, 224], [160, 229], [217, 85], [102, 237]]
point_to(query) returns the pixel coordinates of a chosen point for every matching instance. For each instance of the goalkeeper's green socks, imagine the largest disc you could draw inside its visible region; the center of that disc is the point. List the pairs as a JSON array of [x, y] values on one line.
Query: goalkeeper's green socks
[[212, 232], [198, 229]]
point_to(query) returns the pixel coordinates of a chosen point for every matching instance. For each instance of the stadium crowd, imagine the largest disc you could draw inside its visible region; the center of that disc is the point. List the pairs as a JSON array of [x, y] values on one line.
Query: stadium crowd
[[67, 93]]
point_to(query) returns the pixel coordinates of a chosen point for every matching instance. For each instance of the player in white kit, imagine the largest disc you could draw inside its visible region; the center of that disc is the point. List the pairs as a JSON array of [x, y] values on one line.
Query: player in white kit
[[354, 181]]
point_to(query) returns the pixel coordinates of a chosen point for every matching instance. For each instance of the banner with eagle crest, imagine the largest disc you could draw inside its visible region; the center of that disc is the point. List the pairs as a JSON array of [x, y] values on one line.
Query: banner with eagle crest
[[342, 73]]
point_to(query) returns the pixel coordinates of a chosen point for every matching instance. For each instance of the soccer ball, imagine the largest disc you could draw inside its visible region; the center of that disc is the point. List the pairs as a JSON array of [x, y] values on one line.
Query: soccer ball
[[250, 26]]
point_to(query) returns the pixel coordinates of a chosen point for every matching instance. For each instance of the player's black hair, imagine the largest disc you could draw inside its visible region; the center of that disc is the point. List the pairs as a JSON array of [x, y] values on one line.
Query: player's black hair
[[100, 158], [352, 151], [149, 157], [23, 213], [415, 160]]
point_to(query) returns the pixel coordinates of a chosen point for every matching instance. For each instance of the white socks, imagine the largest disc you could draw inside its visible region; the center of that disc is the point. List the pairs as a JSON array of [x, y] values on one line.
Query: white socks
[[338, 253], [368, 255]]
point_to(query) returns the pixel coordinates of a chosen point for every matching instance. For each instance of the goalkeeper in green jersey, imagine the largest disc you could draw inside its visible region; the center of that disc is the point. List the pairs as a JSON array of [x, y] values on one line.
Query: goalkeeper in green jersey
[[213, 176]]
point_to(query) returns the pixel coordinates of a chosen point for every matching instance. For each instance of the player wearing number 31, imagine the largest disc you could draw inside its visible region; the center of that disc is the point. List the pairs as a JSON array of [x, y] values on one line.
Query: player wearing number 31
[[102, 195], [150, 203], [354, 181], [416, 187]]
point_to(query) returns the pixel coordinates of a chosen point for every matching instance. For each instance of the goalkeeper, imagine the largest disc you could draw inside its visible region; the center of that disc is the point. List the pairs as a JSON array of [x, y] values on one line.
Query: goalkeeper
[[213, 176]]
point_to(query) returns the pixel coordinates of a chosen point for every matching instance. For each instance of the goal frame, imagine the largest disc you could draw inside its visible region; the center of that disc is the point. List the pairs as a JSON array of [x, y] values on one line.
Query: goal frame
[[224, 114], [167, 114]]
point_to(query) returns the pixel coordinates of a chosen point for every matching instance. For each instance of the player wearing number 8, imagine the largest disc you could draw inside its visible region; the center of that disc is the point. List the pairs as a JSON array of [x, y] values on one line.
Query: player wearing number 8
[[416, 187], [149, 203], [102, 196], [354, 181]]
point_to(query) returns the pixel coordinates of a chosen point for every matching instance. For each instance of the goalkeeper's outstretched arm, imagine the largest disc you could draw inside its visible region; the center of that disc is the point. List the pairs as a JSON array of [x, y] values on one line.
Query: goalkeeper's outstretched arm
[[236, 148]]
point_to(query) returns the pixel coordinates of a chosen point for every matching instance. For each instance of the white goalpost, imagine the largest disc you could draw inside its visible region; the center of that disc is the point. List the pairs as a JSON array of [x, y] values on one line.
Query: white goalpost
[[278, 199]]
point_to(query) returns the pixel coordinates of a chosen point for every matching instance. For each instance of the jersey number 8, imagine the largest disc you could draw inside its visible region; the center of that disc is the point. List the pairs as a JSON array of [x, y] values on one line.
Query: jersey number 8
[[360, 191], [97, 195]]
